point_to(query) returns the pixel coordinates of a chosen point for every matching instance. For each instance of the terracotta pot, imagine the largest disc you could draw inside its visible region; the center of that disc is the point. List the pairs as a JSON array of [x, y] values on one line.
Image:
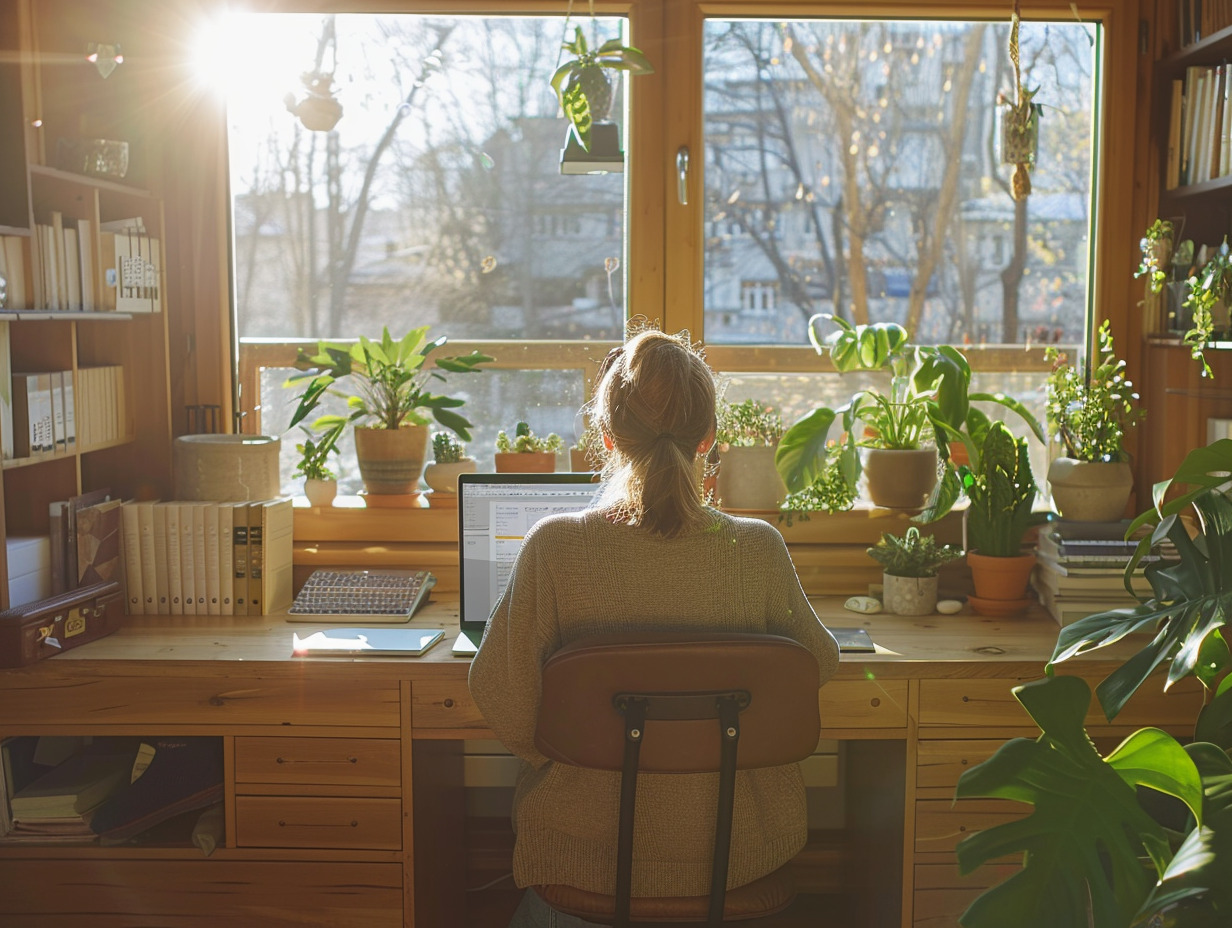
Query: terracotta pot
[[320, 492], [391, 460], [899, 479], [748, 480], [1000, 582], [525, 462], [909, 595], [580, 462], [443, 478], [1090, 491]]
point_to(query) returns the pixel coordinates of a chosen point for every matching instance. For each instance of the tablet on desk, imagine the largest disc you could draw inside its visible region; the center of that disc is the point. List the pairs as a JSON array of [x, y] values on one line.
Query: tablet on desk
[[366, 642]]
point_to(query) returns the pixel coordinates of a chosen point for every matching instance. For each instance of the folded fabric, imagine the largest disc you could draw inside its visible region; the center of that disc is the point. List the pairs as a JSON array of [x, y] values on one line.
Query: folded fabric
[[185, 774]]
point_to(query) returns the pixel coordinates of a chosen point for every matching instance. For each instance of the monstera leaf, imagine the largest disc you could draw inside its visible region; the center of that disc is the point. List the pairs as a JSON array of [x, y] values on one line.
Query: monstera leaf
[[1187, 613], [1196, 888], [1084, 843]]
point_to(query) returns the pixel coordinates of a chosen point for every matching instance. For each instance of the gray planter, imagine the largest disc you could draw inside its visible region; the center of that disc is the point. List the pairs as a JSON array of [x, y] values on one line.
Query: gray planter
[[909, 595]]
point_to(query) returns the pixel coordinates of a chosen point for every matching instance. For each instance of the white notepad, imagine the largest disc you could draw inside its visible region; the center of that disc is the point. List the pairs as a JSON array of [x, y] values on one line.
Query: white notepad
[[361, 642]]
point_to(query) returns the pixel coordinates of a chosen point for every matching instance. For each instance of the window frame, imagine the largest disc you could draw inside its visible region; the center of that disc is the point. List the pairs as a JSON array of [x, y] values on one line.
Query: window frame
[[665, 246]]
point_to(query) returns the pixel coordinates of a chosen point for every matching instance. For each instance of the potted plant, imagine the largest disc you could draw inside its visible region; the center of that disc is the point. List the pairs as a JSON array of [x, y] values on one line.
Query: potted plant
[[747, 435], [1156, 248], [926, 408], [526, 452], [1087, 412], [1209, 290], [320, 483], [448, 461], [387, 393], [1000, 492], [587, 452], [583, 84], [1100, 848], [910, 564]]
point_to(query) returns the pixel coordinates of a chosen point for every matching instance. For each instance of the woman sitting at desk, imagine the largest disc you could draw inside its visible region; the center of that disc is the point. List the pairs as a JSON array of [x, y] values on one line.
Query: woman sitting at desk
[[650, 554]]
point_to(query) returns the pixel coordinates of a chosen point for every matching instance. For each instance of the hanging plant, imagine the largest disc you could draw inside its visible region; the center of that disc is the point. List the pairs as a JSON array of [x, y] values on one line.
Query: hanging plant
[[586, 97], [1019, 122]]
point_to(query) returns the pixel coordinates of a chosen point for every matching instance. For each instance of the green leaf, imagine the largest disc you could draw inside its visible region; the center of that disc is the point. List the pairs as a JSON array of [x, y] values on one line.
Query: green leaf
[[801, 454], [1195, 890], [577, 109], [1082, 843]]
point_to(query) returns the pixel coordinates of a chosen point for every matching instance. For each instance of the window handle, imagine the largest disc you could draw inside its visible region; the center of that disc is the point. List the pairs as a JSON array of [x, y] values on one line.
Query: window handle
[[682, 175]]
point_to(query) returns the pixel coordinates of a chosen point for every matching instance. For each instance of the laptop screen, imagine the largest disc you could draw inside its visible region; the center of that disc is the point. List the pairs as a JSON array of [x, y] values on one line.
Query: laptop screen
[[495, 511]]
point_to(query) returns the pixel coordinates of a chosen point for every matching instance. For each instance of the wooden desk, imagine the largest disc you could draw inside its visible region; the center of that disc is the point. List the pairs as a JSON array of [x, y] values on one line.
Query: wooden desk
[[317, 764]]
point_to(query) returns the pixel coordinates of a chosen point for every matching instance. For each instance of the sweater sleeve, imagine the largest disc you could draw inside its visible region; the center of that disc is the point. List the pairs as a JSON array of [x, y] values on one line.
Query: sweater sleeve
[[789, 612], [505, 674]]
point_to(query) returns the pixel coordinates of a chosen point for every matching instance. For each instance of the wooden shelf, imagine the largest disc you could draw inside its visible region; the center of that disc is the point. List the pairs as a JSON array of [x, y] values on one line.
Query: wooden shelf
[[60, 315], [1200, 52], [87, 180]]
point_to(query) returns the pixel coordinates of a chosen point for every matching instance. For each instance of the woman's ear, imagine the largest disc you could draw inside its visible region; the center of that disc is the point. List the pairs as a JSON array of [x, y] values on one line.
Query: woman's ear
[[607, 441], [706, 444]]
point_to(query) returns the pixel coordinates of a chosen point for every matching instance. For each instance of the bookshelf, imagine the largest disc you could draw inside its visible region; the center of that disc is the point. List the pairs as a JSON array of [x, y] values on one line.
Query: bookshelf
[[51, 97]]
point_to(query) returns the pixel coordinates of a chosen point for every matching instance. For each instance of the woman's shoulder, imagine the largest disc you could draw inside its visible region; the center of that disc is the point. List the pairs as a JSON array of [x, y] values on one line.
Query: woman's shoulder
[[749, 531], [558, 528]]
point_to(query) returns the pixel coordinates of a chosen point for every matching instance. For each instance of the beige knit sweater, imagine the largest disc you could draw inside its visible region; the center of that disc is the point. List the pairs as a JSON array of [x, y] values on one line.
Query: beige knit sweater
[[579, 575]]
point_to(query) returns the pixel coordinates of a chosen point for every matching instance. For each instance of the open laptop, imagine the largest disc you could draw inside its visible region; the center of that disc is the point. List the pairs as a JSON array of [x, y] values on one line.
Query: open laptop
[[495, 511]]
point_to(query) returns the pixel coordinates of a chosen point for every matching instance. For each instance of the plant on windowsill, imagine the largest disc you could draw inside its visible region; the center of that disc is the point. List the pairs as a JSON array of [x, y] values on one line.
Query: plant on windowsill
[[926, 407], [1099, 847], [586, 454], [448, 461], [747, 434], [583, 84], [1209, 292], [386, 389], [320, 483], [1000, 493], [526, 452], [910, 564], [1088, 409]]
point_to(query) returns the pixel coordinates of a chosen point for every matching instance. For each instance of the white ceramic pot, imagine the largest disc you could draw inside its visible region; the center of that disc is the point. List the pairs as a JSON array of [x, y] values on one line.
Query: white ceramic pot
[[1090, 491], [748, 479], [909, 595], [443, 478], [320, 492]]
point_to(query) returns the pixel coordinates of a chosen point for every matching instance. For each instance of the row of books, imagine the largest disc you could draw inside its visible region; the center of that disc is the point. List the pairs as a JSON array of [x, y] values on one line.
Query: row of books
[[1200, 126], [1080, 570], [78, 268], [207, 558], [47, 413], [1199, 19]]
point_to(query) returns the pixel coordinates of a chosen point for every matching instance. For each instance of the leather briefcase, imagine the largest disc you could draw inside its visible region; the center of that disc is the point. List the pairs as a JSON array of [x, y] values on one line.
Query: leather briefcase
[[60, 623]]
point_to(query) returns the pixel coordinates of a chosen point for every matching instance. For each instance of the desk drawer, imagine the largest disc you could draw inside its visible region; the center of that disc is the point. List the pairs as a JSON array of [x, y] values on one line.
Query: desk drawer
[[940, 824], [939, 764], [863, 704], [990, 703], [313, 821], [316, 761], [941, 895], [444, 704]]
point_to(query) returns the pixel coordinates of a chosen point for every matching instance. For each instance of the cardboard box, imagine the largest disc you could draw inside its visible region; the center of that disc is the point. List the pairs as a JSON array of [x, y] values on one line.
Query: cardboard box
[[29, 563]]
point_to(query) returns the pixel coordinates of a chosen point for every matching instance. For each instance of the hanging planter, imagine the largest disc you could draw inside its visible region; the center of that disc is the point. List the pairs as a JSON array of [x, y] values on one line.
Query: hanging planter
[[1020, 118]]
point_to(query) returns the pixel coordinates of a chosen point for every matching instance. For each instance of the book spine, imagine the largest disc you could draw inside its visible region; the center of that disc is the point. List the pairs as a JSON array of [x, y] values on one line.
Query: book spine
[[6, 394], [226, 559], [175, 574], [188, 561], [239, 535], [149, 568], [256, 554], [277, 550], [130, 524], [162, 587], [213, 582]]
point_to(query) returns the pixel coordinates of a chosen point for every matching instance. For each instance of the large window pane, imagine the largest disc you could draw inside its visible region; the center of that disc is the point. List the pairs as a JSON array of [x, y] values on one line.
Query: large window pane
[[853, 167], [436, 199]]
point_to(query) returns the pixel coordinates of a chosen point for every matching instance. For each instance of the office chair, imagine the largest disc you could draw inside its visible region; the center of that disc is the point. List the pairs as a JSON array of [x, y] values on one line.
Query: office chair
[[678, 703]]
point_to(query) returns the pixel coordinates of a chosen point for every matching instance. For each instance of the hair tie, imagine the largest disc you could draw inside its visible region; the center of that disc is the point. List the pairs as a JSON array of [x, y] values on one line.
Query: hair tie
[[668, 435]]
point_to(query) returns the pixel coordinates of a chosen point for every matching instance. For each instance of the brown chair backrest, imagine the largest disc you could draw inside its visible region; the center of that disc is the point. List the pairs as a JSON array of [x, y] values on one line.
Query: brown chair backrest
[[579, 725]]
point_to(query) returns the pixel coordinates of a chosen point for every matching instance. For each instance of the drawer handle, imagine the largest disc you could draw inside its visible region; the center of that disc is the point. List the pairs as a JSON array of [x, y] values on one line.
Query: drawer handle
[[285, 824], [448, 703], [291, 760]]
